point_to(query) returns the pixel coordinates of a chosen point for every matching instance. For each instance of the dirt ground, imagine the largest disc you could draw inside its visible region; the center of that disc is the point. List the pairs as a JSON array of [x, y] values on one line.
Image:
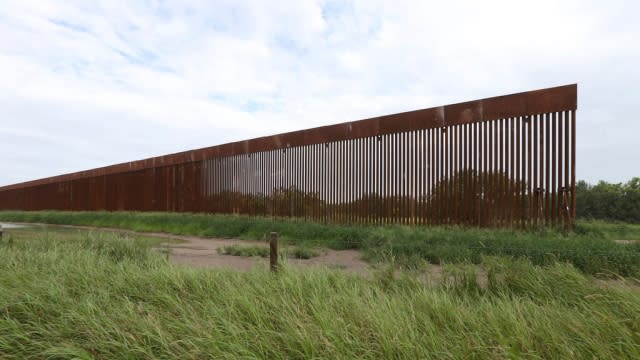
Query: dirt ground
[[199, 252], [203, 252]]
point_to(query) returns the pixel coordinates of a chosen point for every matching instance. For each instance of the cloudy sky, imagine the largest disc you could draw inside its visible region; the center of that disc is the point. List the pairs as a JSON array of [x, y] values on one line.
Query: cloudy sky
[[85, 84]]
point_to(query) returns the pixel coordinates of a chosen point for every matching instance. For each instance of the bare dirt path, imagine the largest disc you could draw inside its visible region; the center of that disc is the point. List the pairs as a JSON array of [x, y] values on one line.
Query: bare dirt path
[[203, 252]]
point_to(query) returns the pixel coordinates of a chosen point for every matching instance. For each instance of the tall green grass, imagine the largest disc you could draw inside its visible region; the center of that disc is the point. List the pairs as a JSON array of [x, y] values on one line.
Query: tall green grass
[[82, 295], [589, 248], [264, 251]]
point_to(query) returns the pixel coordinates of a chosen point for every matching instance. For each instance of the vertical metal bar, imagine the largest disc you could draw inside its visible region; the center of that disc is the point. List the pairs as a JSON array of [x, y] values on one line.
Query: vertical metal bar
[[482, 176], [433, 191], [499, 138], [349, 184], [492, 178], [460, 176], [425, 188], [393, 191], [363, 182], [497, 176], [466, 169], [336, 181], [327, 172], [445, 175], [385, 177], [343, 188], [440, 146], [276, 179], [237, 183], [400, 179], [293, 181], [229, 188], [323, 174], [357, 179], [232, 184], [296, 174], [554, 164], [536, 169], [541, 166], [332, 162], [512, 203], [547, 170], [298, 171], [305, 200], [450, 163], [427, 164], [373, 160], [474, 177], [271, 183], [573, 167], [403, 178], [407, 178], [318, 175], [518, 189], [455, 204], [561, 178], [350, 173], [454, 175], [359, 182], [382, 167], [378, 176], [506, 182], [369, 178], [449, 167], [418, 178], [397, 208], [337, 184], [317, 182]]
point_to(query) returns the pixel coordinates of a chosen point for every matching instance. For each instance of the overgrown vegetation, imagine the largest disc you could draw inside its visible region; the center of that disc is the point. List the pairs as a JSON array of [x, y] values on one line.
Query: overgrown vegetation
[[77, 294], [245, 250], [263, 251], [608, 201], [590, 248]]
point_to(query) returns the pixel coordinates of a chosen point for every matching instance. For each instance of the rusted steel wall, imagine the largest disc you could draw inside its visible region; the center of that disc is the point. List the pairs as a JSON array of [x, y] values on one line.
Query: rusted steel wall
[[502, 161]]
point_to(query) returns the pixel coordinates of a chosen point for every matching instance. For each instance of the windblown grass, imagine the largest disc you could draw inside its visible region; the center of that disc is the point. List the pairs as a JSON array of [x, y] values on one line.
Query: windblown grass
[[590, 248], [92, 295]]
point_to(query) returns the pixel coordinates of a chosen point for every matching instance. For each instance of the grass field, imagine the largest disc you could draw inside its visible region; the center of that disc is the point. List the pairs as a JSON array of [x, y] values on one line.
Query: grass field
[[88, 294], [589, 248]]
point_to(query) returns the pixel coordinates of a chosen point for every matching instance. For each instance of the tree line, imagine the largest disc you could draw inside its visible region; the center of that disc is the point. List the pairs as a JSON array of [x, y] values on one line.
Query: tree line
[[609, 201]]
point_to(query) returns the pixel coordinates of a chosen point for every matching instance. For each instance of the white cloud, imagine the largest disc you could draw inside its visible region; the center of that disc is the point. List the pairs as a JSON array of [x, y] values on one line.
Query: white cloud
[[87, 84]]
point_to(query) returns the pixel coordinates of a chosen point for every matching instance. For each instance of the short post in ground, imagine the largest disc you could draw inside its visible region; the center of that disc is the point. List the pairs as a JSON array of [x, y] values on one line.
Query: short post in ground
[[273, 246], [0, 232]]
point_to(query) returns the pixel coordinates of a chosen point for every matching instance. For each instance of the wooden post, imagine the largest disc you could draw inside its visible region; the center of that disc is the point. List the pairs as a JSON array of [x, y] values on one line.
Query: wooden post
[[273, 245], [0, 232]]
